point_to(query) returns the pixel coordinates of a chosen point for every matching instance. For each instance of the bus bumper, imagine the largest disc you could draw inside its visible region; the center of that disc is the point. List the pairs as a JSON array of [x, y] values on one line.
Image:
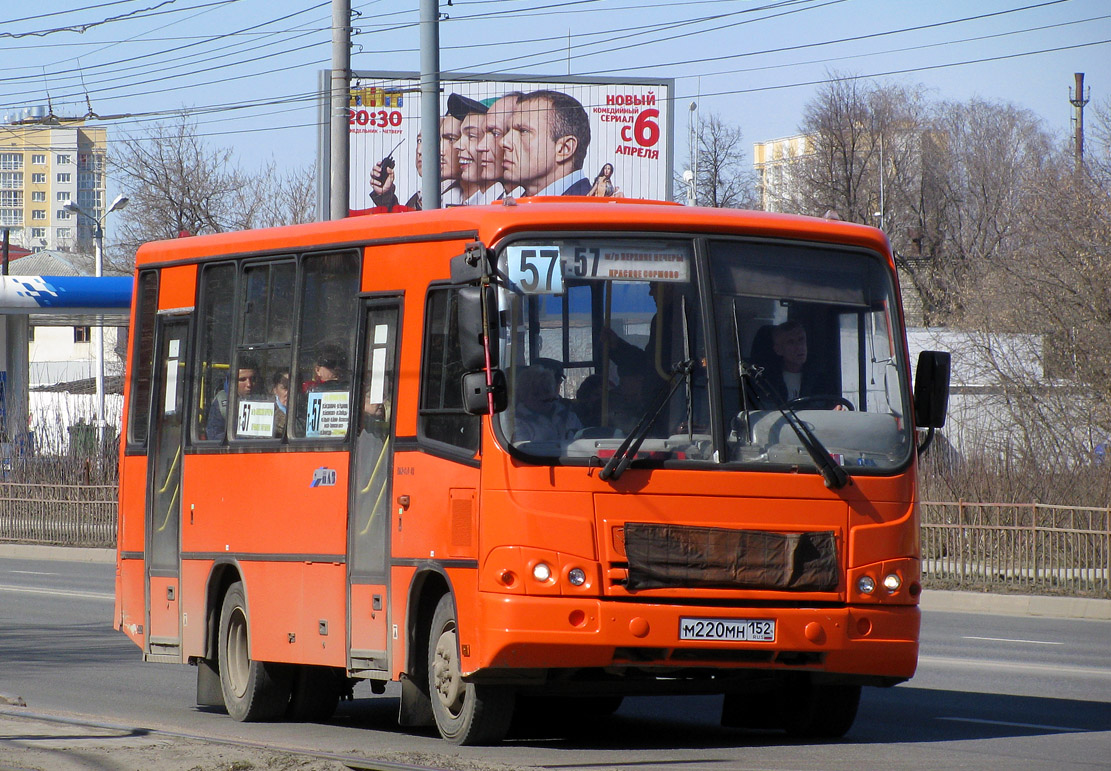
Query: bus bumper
[[518, 632]]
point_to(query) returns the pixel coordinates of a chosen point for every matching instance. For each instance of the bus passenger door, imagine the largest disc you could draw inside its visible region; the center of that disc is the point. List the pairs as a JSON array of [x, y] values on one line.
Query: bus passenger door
[[368, 534], [163, 542]]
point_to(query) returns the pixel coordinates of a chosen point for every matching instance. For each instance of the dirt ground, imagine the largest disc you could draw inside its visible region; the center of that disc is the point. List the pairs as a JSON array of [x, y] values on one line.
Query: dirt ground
[[31, 744]]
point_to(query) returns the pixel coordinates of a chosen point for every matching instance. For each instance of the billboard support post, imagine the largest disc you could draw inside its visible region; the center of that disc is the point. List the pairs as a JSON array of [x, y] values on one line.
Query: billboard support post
[[341, 94], [430, 102]]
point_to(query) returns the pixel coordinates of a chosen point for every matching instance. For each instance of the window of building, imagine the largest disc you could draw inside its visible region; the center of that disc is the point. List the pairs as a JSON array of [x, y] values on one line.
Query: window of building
[[65, 177], [38, 159], [11, 180], [63, 196], [10, 198], [38, 214], [38, 179], [38, 195], [38, 232], [64, 233], [11, 216], [88, 180], [62, 159], [11, 160], [82, 334]]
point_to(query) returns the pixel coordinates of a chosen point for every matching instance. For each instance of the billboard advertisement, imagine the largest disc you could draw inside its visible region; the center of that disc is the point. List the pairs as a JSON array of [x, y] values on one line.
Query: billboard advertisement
[[509, 137]]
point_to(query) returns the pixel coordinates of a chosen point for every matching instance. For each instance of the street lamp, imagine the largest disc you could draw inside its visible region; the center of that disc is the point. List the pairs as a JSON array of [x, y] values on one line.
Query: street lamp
[[98, 331]]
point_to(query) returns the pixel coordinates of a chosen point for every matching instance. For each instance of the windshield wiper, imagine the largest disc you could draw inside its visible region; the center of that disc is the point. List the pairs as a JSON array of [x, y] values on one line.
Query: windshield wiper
[[832, 472], [625, 453]]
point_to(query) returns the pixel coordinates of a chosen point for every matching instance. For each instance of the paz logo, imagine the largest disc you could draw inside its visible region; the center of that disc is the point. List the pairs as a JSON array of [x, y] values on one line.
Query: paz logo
[[323, 477]]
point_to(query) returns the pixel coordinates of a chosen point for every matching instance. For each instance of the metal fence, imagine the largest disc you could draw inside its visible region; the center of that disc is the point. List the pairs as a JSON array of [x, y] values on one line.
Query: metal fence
[[67, 515], [1031, 548]]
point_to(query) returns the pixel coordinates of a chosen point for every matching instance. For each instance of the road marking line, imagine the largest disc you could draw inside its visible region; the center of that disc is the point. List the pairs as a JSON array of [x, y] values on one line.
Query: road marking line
[[1008, 639], [33, 572], [1039, 726], [60, 592]]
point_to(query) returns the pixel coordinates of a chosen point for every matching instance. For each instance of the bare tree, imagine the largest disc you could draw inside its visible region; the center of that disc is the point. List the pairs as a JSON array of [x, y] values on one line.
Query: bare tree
[[724, 180], [180, 185]]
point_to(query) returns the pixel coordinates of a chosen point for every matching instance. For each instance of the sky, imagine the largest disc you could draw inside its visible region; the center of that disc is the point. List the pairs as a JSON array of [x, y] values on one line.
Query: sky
[[247, 70]]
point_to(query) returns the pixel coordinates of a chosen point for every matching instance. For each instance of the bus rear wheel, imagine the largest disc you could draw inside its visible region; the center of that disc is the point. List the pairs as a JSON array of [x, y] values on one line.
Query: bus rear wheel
[[253, 690], [466, 713]]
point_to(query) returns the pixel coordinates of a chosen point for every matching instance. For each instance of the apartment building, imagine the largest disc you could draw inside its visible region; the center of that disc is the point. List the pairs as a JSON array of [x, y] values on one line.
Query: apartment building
[[44, 162]]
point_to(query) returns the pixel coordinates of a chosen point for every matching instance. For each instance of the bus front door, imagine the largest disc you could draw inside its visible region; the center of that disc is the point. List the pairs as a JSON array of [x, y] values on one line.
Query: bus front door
[[163, 539], [368, 539]]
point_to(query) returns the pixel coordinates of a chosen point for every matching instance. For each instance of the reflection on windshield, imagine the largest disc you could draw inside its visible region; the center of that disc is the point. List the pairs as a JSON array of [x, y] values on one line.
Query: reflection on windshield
[[593, 330]]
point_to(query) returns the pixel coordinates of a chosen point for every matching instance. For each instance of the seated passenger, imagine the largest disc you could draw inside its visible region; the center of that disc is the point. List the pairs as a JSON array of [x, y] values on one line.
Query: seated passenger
[[540, 415], [247, 381], [588, 401], [279, 386], [329, 370]]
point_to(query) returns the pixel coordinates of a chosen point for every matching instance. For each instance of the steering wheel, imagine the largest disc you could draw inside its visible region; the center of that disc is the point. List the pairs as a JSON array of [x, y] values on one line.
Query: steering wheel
[[821, 399]]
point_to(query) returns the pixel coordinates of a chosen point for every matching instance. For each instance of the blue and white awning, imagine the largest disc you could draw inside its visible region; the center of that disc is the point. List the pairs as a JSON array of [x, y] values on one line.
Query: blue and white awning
[[65, 295]]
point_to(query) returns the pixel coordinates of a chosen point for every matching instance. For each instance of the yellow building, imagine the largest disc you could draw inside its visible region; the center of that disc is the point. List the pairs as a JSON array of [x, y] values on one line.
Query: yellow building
[[46, 161], [773, 161]]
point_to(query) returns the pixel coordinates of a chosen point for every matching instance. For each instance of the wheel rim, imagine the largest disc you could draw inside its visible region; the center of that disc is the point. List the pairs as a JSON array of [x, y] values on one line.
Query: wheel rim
[[446, 677], [236, 660]]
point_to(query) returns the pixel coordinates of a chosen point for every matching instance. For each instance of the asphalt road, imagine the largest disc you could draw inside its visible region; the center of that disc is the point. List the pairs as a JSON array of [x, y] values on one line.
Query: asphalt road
[[992, 691]]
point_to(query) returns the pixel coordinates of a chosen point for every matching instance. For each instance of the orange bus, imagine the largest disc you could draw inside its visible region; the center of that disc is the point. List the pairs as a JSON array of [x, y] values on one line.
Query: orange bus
[[525, 454]]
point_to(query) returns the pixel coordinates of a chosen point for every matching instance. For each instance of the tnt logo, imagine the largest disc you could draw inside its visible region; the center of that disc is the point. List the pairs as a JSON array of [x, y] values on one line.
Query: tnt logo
[[375, 97], [323, 477]]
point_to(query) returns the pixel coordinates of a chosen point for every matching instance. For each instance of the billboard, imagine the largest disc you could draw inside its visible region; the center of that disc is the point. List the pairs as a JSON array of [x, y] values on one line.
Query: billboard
[[510, 136]]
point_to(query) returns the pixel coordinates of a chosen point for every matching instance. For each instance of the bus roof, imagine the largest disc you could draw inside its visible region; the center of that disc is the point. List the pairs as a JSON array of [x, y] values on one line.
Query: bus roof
[[490, 223]]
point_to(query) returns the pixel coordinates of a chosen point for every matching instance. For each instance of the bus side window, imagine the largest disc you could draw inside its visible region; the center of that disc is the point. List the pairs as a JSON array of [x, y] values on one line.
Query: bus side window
[[263, 355], [212, 375], [442, 418], [321, 392], [142, 363]]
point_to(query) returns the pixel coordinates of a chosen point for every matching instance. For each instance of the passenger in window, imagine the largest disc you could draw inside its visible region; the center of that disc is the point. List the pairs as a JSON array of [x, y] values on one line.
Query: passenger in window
[[329, 369], [247, 384], [279, 386], [540, 415], [588, 401]]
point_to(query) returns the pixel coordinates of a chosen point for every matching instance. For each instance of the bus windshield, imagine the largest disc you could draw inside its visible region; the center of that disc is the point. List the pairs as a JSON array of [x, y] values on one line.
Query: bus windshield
[[705, 350]]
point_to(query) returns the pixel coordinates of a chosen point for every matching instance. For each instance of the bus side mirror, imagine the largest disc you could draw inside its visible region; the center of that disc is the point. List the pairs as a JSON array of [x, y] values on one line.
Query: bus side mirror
[[475, 390], [471, 266], [931, 389], [471, 332]]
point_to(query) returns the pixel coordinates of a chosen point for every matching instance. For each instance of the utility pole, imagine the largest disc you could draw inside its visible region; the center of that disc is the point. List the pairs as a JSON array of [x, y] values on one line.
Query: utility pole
[[341, 94], [430, 103], [1078, 100]]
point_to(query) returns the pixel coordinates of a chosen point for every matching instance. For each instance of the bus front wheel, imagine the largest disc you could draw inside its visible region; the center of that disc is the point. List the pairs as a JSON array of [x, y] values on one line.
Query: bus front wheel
[[466, 713], [253, 690], [819, 710]]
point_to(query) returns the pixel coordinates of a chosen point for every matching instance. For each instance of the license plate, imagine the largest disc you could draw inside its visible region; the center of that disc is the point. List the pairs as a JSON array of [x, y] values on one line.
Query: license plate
[[733, 629]]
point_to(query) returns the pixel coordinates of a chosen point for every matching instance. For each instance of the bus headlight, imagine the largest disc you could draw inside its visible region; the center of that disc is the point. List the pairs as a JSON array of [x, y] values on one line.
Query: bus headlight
[[866, 585], [576, 576], [892, 582], [542, 572]]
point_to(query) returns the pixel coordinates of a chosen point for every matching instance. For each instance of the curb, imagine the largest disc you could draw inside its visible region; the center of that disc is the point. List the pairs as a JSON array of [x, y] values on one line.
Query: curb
[[1017, 605], [62, 553]]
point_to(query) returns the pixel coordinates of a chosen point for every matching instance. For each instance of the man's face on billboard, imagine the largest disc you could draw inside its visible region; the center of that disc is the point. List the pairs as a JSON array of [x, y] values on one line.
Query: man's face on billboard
[[450, 128], [530, 153], [472, 130], [491, 152]]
